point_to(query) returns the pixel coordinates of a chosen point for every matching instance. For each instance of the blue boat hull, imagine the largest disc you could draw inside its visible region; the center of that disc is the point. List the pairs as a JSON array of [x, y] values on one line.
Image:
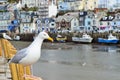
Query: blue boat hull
[[101, 40]]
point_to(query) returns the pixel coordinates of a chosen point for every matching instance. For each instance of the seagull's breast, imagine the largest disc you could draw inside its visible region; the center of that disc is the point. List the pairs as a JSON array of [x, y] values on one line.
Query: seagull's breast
[[31, 57]]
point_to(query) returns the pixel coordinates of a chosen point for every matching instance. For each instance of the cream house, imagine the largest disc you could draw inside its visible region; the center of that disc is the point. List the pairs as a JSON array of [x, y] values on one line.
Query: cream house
[[68, 21], [90, 4], [79, 4]]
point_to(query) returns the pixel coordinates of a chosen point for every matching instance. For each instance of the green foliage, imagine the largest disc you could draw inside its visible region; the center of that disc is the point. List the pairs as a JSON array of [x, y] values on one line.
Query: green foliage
[[33, 9], [26, 8], [12, 1], [3, 11]]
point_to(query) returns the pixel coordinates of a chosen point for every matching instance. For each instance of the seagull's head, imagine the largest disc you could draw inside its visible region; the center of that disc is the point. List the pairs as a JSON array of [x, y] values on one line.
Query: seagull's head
[[44, 35]]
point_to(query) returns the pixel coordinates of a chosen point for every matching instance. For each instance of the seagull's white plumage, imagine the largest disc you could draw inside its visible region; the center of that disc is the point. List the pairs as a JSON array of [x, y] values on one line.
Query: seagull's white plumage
[[31, 54], [6, 36]]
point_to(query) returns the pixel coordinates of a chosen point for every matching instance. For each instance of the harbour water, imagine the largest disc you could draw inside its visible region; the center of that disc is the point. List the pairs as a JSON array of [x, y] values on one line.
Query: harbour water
[[80, 62]]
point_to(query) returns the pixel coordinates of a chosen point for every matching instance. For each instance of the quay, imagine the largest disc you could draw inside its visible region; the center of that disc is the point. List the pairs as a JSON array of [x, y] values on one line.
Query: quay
[[10, 71]]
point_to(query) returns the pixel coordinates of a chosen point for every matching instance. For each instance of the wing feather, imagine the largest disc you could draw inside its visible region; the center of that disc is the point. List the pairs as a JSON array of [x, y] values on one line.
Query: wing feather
[[19, 55]]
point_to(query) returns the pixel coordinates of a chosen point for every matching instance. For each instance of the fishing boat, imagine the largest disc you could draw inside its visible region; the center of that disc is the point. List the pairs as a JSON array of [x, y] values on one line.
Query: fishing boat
[[110, 39], [84, 39], [60, 38], [17, 38]]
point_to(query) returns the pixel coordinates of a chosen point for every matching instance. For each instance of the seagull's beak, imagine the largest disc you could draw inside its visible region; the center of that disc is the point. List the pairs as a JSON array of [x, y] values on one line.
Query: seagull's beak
[[51, 39]]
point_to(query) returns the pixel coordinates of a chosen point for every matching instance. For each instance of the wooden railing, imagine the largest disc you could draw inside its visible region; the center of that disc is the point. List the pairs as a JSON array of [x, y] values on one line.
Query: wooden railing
[[7, 51]]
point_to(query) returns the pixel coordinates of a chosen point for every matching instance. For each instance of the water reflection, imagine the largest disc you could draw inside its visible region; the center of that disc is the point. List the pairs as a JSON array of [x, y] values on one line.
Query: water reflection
[[94, 56], [106, 48], [81, 62]]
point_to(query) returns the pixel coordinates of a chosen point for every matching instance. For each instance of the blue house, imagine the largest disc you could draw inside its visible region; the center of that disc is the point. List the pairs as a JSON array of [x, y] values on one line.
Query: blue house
[[46, 24], [62, 6], [89, 21]]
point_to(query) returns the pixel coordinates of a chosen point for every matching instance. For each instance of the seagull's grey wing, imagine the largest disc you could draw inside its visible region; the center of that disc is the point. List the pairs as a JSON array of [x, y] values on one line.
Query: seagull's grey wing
[[20, 54]]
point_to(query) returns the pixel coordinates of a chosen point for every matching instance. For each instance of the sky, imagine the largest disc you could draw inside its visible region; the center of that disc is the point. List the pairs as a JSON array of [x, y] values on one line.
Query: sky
[[110, 2]]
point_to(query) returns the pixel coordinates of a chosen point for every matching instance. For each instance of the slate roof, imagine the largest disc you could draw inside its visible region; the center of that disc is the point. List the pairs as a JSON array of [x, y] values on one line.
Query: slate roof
[[107, 18], [67, 18]]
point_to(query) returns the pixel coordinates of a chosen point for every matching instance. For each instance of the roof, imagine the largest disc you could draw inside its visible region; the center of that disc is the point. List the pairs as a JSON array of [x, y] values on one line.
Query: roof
[[107, 18], [67, 18], [75, 14]]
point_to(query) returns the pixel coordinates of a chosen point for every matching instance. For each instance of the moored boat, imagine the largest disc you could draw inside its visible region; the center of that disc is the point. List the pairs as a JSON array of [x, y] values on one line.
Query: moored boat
[[60, 38], [110, 39], [85, 38]]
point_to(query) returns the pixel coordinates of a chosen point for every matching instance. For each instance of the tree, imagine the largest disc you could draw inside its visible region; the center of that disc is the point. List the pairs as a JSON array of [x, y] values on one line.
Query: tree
[[25, 7], [12, 1]]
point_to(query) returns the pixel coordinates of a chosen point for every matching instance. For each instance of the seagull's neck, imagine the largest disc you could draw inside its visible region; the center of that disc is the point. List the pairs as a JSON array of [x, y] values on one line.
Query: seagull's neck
[[37, 43]]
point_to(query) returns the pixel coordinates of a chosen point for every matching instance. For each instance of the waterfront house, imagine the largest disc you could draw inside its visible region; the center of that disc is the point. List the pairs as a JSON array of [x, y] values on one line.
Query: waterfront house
[[89, 19], [67, 22], [4, 20], [26, 25], [81, 27], [52, 25], [98, 15], [47, 24], [106, 23], [74, 23], [117, 22]]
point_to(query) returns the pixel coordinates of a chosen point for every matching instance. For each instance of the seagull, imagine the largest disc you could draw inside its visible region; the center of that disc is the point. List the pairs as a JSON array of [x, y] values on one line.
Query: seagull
[[31, 54], [6, 36]]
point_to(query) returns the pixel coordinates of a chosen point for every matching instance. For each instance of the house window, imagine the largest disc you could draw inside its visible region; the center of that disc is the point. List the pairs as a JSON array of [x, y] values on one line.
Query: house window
[[75, 24], [94, 22], [94, 2], [81, 13], [88, 28], [101, 23], [89, 23], [88, 16], [81, 19]]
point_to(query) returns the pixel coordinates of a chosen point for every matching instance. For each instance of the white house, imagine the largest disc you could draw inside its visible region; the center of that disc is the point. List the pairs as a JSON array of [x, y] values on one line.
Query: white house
[[4, 20], [74, 23], [26, 23]]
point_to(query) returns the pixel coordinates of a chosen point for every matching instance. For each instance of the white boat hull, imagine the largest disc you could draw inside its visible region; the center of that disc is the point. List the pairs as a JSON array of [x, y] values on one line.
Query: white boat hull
[[85, 40]]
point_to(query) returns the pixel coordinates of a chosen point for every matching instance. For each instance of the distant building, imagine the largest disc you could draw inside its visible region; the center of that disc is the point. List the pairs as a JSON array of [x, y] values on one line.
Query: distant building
[[29, 3], [90, 4], [43, 6], [3, 1], [77, 4], [26, 22], [4, 20]]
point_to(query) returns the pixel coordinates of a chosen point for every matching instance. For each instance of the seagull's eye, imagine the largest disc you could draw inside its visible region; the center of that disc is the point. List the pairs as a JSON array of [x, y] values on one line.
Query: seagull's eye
[[44, 34]]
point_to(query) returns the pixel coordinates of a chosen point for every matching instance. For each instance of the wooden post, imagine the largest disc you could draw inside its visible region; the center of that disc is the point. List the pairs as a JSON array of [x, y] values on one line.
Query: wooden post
[[0, 48], [14, 73], [17, 70]]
